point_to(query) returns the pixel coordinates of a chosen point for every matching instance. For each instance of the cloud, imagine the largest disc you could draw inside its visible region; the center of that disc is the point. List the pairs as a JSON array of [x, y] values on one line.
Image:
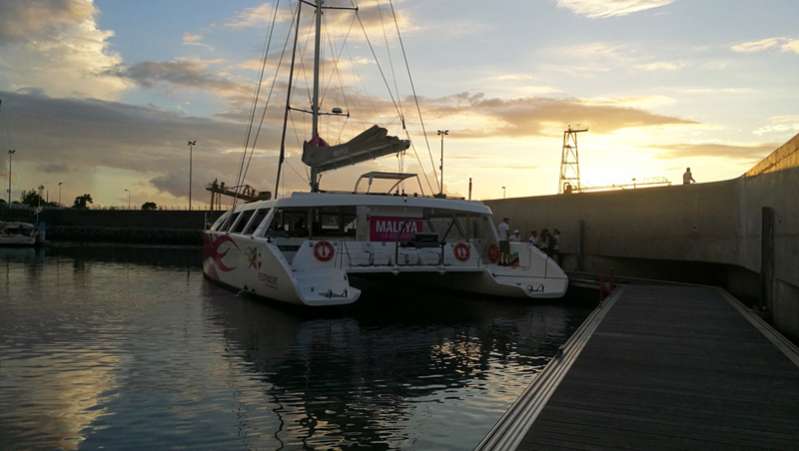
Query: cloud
[[257, 16], [195, 39], [782, 43], [147, 145], [661, 66], [780, 124], [83, 135], [610, 8], [375, 15], [529, 116], [743, 152], [57, 47], [187, 73]]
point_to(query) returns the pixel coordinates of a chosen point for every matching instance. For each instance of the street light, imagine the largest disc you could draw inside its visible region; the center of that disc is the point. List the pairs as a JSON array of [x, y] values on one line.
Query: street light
[[503, 192], [11, 153], [127, 191], [191, 145], [59, 194], [442, 133]]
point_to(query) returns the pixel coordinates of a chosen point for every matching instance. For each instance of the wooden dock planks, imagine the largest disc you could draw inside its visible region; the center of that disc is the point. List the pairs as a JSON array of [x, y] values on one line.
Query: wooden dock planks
[[673, 367]]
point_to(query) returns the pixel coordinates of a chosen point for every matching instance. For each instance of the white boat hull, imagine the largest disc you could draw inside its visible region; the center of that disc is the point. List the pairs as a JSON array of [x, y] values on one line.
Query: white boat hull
[[257, 266]]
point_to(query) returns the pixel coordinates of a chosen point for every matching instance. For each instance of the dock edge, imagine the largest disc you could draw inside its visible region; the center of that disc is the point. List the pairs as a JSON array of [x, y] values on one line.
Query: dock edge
[[512, 426]]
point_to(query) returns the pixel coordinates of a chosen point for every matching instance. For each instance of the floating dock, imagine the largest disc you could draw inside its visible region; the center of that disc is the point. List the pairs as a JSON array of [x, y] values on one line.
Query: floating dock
[[656, 367]]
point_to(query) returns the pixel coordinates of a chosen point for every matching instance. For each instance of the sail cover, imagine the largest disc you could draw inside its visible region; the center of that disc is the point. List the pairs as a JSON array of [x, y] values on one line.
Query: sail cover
[[370, 144]]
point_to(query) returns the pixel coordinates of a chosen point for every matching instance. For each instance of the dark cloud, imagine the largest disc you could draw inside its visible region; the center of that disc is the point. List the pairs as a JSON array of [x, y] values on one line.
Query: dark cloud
[[528, 116], [73, 138], [717, 150], [54, 168], [185, 73], [21, 20], [80, 135]]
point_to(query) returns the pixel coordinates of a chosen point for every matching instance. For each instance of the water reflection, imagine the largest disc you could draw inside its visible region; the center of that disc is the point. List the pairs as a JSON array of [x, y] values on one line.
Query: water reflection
[[116, 349]]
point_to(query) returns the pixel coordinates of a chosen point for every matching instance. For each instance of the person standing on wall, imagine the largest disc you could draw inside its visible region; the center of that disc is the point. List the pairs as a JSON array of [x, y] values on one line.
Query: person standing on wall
[[687, 177], [504, 245]]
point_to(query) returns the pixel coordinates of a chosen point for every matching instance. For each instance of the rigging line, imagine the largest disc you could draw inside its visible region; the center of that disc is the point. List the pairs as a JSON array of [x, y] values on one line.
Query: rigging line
[[413, 89], [268, 100], [299, 145], [377, 61], [303, 70], [421, 166], [390, 59], [267, 46], [288, 101], [337, 73], [296, 172], [336, 54]]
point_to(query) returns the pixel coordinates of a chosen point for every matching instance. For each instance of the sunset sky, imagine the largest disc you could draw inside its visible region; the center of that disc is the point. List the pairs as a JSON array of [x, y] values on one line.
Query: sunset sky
[[103, 95]]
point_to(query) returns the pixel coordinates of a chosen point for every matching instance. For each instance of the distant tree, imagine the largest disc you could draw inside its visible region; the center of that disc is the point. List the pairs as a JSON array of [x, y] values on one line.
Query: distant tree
[[149, 206], [83, 201], [32, 198], [3, 203]]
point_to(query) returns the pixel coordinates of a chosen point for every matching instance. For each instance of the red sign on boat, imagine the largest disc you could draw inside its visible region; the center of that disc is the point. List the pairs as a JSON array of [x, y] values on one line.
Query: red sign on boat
[[391, 228]]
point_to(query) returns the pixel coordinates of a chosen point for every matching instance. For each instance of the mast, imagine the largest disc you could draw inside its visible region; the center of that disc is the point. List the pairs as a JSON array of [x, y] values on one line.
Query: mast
[[288, 103], [314, 182]]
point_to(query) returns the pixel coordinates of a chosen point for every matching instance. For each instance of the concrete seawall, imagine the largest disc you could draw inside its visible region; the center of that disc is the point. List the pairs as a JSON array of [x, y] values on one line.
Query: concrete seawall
[[119, 226], [707, 232]]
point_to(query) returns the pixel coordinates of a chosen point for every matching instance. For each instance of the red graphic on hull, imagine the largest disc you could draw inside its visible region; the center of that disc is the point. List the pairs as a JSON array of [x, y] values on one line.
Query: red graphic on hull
[[211, 247]]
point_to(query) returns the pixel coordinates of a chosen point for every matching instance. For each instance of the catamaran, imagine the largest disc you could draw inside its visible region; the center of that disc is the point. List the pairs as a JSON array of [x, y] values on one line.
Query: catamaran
[[317, 248]]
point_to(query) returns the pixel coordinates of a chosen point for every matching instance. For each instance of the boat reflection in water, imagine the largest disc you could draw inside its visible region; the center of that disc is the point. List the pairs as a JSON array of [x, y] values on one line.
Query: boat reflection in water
[[132, 348], [395, 372]]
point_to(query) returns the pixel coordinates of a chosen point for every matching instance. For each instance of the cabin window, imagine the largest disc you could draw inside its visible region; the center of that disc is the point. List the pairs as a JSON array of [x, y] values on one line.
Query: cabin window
[[334, 222], [243, 220], [450, 225], [219, 221], [256, 220], [322, 222], [225, 226], [289, 222]]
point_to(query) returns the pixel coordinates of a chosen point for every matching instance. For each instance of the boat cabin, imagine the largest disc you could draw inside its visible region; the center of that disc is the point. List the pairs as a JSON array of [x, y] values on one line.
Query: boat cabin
[[379, 220]]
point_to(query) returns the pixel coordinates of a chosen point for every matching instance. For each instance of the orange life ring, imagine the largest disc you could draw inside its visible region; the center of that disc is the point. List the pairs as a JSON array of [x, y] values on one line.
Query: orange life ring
[[323, 251], [461, 251], [493, 253]]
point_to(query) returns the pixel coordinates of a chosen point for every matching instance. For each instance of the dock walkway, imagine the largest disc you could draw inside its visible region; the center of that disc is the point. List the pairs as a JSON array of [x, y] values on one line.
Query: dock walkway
[[674, 367]]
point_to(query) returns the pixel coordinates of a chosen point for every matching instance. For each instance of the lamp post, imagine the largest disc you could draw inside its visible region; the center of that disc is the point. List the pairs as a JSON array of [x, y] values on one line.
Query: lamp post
[[442, 133], [59, 194], [128, 191], [191, 145], [503, 192], [11, 153]]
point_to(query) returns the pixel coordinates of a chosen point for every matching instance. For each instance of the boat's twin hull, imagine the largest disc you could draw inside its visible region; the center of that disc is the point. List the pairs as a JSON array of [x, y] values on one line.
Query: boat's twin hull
[[258, 267]]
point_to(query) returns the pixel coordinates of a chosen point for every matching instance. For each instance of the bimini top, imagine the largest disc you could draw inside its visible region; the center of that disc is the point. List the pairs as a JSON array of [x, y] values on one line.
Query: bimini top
[[371, 200]]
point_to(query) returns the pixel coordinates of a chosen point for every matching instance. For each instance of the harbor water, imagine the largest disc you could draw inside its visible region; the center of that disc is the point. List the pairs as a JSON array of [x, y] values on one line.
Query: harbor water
[[131, 348]]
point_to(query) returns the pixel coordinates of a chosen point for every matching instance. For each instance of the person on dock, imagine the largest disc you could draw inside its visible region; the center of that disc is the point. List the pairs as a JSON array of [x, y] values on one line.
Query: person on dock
[[504, 245], [687, 177], [555, 246], [543, 241], [533, 238], [516, 236]]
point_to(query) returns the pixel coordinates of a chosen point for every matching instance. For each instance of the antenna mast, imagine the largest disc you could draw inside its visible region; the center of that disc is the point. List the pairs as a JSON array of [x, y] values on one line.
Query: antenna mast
[[570, 161]]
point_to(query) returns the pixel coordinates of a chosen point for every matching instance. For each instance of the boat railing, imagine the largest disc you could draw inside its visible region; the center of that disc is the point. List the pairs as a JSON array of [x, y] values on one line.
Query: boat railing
[[398, 254]]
